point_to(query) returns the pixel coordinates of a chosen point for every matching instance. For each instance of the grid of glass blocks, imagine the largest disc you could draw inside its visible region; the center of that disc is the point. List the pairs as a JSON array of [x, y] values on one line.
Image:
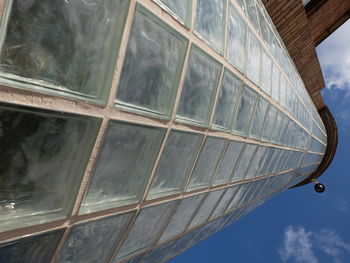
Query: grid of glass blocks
[[39, 149], [153, 187], [60, 48]]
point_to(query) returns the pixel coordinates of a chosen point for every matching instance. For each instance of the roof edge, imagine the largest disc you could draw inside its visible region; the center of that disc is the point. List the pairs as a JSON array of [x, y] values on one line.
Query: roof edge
[[332, 144]]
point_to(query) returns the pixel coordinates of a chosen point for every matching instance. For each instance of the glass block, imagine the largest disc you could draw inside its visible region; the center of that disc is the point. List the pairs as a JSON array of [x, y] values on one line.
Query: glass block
[[182, 217], [181, 244], [61, 48], [175, 164], [146, 229], [207, 162], [204, 211], [251, 5], [317, 146], [32, 249], [210, 22], [153, 63], [242, 166], [268, 125], [267, 160], [245, 111], [226, 107], [201, 81], [94, 241], [159, 253], [180, 9], [126, 159], [229, 161], [312, 158], [259, 117], [283, 90], [256, 163], [276, 134], [237, 197], [275, 91], [254, 58], [224, 202], [266, 71], [265, 31], [40, 149], [236, 39]]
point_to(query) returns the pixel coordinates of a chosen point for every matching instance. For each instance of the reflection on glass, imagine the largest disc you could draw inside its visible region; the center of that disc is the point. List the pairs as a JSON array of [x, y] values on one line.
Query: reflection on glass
[[123, 167], [226, 106], [241, 168], [236, 39], [197, 96], [228, 163], [275, 92], [245, 111], [266, 71], [38, 150], [146, 229], [32, 249], [182, 216], [152, 66], [176, 163], [269, 122], [254, 59], [66, 48], [94, 241], [207, 163], [210, 22], [259, 117]]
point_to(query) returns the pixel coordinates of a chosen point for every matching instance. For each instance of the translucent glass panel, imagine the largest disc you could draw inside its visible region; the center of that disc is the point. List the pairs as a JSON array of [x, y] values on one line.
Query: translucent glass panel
[[94, 241], [63, 48], [242, 166], [180, 9], [152, 66], [236, 39], [256, 163], [226, 107], [146, 229], [254, 58], [269, 122], [224, 202], [207, 162], [210, 22], [245, 111], [32, 249], [204, 211], [259, 118], [158, 254], [251, 5], [198, 93], [312, 158], [123, 167], [182, 216], [176, 163], [41, 149], [228, 162], [275, 91], [317, 146], [266, 71]]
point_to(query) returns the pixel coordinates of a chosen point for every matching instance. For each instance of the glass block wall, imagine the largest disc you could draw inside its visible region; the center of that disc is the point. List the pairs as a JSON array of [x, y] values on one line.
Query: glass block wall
[[130, 130]]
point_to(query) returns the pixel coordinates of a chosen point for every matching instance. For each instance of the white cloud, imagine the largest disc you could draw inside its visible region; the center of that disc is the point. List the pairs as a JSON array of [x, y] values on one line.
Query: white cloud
[[332, 244], [297, 245], [334, 56]]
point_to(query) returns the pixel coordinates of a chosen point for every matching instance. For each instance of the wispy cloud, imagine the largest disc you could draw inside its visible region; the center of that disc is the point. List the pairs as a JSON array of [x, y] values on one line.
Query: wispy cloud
[[299, 245], [334, 55]]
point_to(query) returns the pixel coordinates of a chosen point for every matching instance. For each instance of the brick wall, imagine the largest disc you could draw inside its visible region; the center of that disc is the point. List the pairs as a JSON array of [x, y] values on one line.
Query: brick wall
[[325, 19], [293, 25]]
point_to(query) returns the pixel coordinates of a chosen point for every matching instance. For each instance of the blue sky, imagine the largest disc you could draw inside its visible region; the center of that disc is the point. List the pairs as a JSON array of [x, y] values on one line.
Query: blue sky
[[299, 225]]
